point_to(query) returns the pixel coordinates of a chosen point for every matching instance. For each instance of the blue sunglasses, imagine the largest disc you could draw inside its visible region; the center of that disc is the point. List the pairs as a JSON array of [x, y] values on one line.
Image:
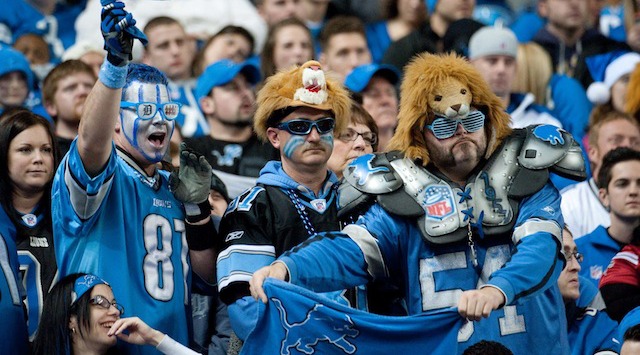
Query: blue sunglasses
[[443, 127], [301, 126]]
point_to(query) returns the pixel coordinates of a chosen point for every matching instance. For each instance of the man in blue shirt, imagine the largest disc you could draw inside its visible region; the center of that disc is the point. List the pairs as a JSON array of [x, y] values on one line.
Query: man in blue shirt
[[117, 215]]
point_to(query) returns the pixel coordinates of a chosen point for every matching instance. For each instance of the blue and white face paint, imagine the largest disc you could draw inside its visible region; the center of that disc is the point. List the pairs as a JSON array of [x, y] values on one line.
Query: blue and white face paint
[[149, 137], [292, 145]]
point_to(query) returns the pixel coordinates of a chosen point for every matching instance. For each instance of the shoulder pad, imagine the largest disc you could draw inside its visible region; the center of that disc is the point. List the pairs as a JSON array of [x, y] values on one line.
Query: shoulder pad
[[373, 174], [369, 178], [547, 146]]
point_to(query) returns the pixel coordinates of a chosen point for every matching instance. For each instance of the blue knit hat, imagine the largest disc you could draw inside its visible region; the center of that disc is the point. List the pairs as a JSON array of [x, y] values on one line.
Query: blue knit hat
[[11, 60]]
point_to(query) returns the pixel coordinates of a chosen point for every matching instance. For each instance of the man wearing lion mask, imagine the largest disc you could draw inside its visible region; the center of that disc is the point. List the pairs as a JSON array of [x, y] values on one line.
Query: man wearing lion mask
[[460, 212]]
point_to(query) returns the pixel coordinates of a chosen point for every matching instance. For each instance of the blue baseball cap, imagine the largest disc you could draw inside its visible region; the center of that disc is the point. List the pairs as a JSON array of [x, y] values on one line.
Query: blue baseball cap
[[222, 72], [11, 60], [360, 77]]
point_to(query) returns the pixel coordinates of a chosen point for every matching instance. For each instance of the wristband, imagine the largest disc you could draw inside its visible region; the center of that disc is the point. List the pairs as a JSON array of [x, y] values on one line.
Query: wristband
[[112, 76], [197, 212], [201, 236]]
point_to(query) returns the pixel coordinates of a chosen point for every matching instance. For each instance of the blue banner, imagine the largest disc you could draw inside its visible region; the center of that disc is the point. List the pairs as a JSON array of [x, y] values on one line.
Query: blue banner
[[298, 321]]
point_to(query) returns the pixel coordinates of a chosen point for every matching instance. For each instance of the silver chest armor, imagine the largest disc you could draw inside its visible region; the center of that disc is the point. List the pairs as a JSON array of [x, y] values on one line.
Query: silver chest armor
[[491, 199]]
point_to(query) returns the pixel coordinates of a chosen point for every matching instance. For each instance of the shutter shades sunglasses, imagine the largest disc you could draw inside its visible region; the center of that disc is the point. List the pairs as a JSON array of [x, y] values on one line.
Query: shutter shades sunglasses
[[443, 127]]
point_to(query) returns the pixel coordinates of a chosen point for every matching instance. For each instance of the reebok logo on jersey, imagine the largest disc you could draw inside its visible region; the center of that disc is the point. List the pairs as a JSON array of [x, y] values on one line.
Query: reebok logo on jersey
[[38, 242], [234, 235]]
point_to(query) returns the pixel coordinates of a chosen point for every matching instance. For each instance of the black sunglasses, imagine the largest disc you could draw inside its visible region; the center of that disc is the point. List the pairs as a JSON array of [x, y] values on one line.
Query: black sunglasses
[[301, 126]]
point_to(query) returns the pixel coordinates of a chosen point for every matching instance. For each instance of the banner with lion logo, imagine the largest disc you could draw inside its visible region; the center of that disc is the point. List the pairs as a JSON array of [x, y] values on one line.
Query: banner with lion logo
[[298, 321]]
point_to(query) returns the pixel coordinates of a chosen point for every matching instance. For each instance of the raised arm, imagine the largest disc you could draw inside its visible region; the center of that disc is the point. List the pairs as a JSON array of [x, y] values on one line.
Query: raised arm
[[103, 104]]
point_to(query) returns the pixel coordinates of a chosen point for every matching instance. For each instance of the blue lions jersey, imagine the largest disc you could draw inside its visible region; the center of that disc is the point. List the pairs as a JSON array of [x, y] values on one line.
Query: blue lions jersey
[[13, 327], [434, 276], [191, 120], [590, 328], [129, 229], [598, 248]]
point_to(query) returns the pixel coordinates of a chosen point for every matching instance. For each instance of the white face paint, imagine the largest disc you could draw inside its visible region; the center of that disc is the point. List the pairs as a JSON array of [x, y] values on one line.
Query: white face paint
[[149, 137]]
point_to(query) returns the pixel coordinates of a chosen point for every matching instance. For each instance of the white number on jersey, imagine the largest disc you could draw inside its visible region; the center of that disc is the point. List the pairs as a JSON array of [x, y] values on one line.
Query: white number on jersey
[[246, 202], [157, 266], [496, 256]]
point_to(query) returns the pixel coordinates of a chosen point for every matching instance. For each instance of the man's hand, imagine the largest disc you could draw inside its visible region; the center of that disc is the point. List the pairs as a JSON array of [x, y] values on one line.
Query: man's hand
[[119, 31], [276, 270], [193, 181], [477, 304]]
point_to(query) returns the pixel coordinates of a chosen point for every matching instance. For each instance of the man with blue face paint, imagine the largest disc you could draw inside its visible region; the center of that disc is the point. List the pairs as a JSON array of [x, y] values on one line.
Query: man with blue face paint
[[117, 215], [294, 198]]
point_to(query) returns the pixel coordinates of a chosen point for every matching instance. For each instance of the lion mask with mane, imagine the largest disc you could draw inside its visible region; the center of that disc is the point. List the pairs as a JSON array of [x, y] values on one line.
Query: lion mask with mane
[[447, 85]]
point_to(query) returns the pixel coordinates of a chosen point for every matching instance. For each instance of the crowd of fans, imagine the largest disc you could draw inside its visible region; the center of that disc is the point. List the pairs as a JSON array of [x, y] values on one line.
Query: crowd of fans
[[573, 64]]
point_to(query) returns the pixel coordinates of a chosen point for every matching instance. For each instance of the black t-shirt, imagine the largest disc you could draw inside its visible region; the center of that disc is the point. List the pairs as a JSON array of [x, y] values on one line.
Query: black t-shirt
[[244, 159], [63, 145]]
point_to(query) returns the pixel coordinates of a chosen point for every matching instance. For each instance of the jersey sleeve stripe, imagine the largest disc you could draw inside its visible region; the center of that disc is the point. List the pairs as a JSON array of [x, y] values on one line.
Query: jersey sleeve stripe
[[369, 246], [628, 256], [236, 276], [239, 262], [247, 249], [84, 204], [535, 225]]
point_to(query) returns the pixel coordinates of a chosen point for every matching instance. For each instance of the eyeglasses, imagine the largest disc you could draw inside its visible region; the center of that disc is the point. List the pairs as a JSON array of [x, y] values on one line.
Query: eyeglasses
[[147, 110], [301, 126], [443, 127], [579, 257], [104, 303], [351, 135]]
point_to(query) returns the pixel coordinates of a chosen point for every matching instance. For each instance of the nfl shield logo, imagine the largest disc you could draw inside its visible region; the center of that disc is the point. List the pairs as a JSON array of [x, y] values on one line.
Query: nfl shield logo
[[595, 272], [438, 202], [319, 205], [30, 219]]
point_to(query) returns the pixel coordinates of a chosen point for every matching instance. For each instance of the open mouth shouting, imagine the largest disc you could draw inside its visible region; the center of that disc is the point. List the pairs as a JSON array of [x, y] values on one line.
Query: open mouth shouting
[[157, 139]]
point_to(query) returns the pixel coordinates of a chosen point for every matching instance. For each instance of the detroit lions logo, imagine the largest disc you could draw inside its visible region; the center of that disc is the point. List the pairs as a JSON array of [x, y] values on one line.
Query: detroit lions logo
[[231, 152], [549, 133], [361, 168], [316, 327]]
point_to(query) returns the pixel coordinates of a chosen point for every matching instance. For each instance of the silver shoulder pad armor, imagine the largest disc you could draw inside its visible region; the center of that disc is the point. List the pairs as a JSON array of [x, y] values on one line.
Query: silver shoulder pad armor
[[550, 147], [371, 177]]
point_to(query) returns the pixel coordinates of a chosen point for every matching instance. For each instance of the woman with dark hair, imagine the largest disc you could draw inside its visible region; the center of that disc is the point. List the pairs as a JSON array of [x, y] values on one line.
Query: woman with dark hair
[[27, 165], [289, 42], [81, 316]]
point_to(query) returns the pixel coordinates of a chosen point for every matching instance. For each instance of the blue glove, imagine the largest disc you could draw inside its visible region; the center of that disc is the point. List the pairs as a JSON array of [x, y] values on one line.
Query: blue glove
[[119, 31]]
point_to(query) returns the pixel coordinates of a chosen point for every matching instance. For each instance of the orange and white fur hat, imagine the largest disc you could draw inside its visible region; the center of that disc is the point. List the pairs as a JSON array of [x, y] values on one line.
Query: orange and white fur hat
[[448, 85], [303, 86]]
